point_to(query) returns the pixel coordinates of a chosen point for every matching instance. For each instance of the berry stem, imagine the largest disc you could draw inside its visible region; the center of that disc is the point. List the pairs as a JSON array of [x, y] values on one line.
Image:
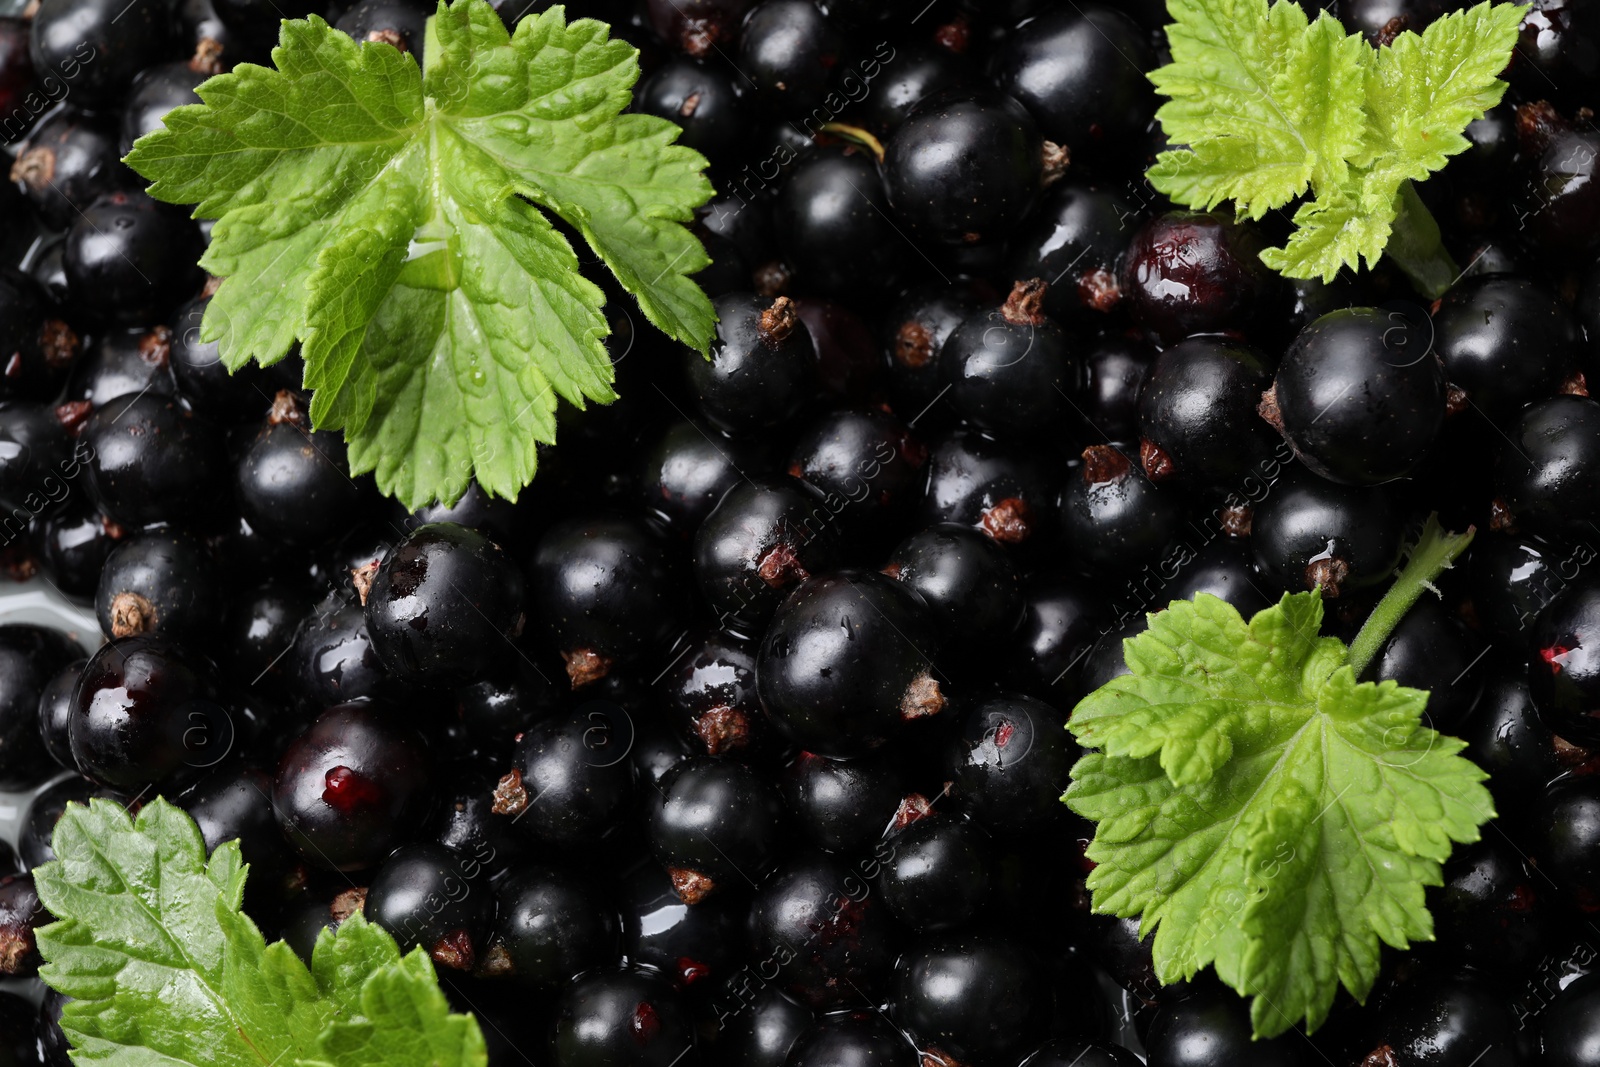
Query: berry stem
[[1434, 552], [856, 136], [1417, 248]]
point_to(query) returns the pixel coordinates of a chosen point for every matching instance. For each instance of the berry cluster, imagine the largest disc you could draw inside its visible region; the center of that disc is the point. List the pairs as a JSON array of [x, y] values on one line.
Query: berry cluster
[[738, 739]]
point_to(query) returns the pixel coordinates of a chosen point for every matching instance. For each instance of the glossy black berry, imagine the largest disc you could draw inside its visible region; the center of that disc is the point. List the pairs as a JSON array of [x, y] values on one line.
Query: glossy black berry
[[1112, 515], [714, 824], [761, 1032], [1569, 1033], [1061, 620], [916, 72], [1211, 1028], [397, 23], [1011, 756], [442, 605], [1507, 737], [833, 221], [293, 484], [852, 1039], [334, 660], [160, 582], [353, 786], [129, 259], [1563, 660], [965, 578], [550, 924], [697, 27], [30, 659], [1359, 396], [791, 53], [624, 1017], [1547, 481], [1075, 240], [143, 710], [760, 372], [55, 713], [915, 331], [1560, 211], [205, 381], [971, 998], [606, 593], [1007, 491], [1011, 370], [1431, 650], [867, 466], [831, 940], [704, 98], [844, 664], [762, 540], [964, 169], [1197, 414], [1312, 533], [1081, 72], [1447, 1019], [153, 460], [432, 896], [713, 691], [124, 362], [39, 460], [697, 948], [21, 914], [98, 47], [69, 160], [1188, 273], [844, 806], [1489, 912], [570, 779], [155, 92], [935, 872], [1506, 341], [688, 469]]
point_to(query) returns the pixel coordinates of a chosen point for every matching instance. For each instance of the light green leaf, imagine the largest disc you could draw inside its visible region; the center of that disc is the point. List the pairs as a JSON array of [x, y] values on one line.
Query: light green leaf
[[164, 968], [1265, 101], [1261, 811], [393, 221], [1268, 106]]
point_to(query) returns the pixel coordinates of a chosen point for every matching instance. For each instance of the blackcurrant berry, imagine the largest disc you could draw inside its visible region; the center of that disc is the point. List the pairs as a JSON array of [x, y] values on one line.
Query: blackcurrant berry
[[1009, 760], [1011, 370], [1188, 273], [432, 896], [696, 947], [936, 874], [703, 98], [152, 460], [844, 806], [98, 47], [791, 53], [1197, 414], [143, 710], [550, 924], [971, 998], [353, 786], [964, 169], [1081, 72], [866, 465], [688, 471], [714, 823], [1112, 515], [844, 663], [1547, 480], [1506, 341], [293, 484], [1075, 240], [129, 259], [760, 372], [570, 779], [817, 923], [625, 1017], [69, 160], [1359, 396], [852, 1039], [606, 593], [160, 582], [441, 605], [1311, 533]]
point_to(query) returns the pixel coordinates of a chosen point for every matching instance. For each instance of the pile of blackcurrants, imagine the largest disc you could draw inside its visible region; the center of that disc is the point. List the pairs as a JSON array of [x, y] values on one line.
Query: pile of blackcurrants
[[738, 739]]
